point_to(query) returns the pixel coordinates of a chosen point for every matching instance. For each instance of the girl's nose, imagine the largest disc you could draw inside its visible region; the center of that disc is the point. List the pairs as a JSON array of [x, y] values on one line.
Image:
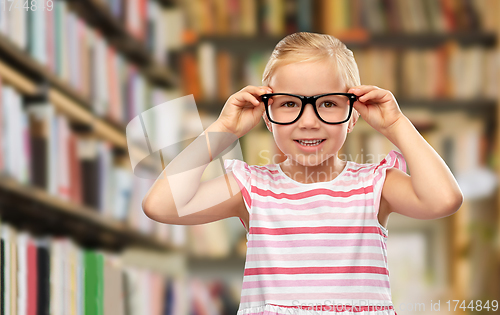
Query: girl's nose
[[309, 117]]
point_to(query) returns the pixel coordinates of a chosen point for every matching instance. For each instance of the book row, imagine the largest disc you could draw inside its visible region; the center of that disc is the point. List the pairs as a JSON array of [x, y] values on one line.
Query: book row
[[80, 55], [53, 275], [43, 275], [349, 19], [449, 71], [40, 149]]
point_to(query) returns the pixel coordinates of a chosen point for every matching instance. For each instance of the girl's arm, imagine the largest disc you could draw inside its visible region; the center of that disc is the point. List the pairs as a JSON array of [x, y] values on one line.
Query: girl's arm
[[178, 196], [431, 191]]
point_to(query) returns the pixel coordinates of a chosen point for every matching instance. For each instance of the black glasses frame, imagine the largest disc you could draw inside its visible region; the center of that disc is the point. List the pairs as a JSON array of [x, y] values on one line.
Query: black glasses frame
[[308, 100]]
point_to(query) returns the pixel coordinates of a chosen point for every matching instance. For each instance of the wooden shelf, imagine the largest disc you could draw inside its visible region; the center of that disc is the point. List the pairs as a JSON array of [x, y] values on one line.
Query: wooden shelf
[[245, 44], [32, 78], [482, 108], [427, 40], [32, 70], [168, 3], [75, 111], [116, 35], [446, 104], [16, 62], [34, 209], [195, 262]]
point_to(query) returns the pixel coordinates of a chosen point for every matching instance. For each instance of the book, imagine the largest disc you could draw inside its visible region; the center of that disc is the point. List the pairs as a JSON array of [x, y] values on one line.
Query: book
[[89, 165], [43, 272]]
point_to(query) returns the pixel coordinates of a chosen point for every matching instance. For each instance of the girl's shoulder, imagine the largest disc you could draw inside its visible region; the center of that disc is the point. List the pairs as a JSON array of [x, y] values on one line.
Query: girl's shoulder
[[392, 159]]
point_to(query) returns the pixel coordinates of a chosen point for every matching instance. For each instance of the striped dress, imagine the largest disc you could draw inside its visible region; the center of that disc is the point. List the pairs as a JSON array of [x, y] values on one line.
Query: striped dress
[[315, 248]]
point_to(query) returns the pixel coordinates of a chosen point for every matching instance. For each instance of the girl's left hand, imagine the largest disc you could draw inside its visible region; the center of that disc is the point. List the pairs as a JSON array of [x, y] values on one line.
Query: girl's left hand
[[377, 106]]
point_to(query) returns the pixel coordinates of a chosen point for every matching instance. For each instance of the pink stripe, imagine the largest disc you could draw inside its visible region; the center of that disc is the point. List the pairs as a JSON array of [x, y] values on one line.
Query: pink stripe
[[314, 256], [315, 296], [393, 161], [264, 170], [315, 283], [314, 192], [243, 224], [399, 157], [244, 192], [312, 217], [310, 270], [270, 175], [362, 169], [282, 182], [261, 313], [358, 168], [379, 175], [382, 173], [316, 230], [313, 204], [287, 312], [310, 243]]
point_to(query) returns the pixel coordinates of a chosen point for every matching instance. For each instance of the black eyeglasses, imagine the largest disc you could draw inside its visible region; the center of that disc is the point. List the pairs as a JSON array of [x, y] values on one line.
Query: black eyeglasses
[[330, 108]]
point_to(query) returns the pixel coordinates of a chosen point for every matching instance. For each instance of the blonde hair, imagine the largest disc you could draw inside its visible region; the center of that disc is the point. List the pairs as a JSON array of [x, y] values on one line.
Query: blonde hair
[[305, 46]]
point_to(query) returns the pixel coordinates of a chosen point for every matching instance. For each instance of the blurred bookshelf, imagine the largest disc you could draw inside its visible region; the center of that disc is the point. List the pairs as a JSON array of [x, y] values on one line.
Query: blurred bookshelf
[[74, 78], [245, 44]]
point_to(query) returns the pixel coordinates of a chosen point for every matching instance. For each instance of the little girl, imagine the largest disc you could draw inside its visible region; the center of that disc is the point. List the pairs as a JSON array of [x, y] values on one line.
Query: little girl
[[316, 225]]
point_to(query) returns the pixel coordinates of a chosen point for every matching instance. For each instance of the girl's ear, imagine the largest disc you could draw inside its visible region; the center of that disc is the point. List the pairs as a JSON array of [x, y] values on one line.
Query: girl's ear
[[268, 123], [353, 120]]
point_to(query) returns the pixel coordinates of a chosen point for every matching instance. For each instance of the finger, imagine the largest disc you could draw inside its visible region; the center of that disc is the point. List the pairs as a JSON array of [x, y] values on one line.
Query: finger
[[362, 89], [373, 95], [258, 90], [246, 97], [264, 90]]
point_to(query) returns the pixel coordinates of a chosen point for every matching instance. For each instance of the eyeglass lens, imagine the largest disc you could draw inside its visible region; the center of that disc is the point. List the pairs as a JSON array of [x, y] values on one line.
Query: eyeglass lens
[[331, 108]]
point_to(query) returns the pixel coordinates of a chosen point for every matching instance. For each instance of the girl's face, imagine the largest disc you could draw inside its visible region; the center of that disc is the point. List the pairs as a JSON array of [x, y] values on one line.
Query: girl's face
[[308, 79]]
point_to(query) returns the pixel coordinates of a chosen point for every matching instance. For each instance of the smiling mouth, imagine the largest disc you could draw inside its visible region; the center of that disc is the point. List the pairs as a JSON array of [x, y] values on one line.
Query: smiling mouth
[[310, 143]]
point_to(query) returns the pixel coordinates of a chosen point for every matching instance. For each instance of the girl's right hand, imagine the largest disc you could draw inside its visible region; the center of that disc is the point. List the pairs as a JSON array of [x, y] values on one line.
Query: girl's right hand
[[243, 110]]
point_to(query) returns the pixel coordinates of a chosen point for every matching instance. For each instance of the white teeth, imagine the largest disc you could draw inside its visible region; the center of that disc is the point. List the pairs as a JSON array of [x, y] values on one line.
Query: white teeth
[[309, 142]]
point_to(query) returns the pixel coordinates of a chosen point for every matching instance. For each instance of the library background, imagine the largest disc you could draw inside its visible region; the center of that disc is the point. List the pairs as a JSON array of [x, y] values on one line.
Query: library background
[[73, 74]]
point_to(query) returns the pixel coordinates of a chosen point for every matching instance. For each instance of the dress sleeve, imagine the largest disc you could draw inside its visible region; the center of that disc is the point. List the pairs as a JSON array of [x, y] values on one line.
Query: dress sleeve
[[242, 175], [393, 159]]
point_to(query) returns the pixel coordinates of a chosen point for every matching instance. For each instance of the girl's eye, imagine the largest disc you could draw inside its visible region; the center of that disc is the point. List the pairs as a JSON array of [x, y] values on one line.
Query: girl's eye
[[328, 104], [292, 103]]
